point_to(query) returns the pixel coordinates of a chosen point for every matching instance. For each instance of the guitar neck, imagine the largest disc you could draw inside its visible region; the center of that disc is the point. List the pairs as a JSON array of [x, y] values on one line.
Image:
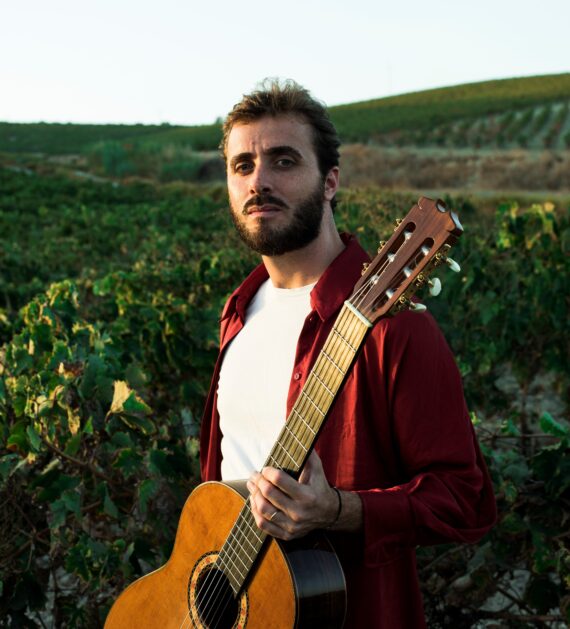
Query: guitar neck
[[299, 434], [308, 415]]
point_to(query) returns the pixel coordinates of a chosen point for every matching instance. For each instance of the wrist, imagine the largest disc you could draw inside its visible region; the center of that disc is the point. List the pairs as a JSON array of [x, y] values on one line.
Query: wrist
[[338, 509]]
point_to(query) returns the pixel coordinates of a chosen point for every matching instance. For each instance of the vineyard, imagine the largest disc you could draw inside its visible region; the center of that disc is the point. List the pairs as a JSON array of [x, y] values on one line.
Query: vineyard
[[110, 296], [116, 256]]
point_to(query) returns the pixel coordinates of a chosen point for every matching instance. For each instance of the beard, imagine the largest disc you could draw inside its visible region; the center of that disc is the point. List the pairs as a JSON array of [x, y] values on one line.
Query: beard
[[302, 229]]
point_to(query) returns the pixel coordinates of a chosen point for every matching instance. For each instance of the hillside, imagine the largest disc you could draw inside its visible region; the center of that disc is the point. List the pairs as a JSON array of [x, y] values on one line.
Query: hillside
[[526, 112]]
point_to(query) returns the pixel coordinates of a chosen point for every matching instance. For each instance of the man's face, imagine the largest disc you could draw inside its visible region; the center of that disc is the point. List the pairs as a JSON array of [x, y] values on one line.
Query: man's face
[[275, 188]]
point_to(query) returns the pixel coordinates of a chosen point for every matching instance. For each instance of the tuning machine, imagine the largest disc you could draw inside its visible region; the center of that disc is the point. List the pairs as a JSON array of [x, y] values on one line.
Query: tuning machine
[[434, 286], [405, 303], [452, 264]]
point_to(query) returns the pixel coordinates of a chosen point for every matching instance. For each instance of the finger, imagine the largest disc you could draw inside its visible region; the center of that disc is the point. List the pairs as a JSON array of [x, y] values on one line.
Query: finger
[[282, 481], [269, 497], [313, 467]]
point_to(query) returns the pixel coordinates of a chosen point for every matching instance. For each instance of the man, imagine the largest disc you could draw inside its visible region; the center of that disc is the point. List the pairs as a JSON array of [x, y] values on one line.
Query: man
[[397, 463]]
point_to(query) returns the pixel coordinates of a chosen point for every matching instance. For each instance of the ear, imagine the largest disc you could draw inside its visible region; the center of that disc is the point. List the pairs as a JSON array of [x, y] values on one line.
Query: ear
[[331, 183]]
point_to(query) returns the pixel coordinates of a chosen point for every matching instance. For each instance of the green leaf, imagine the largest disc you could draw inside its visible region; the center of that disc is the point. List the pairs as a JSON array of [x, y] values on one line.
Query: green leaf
[[34, 437], [147, 489], [73, 445], [550, 426], [7, 464], [128, 461], [55, 485], [122, 440], [18, 439], [58, 513], [127, 401], [158, 463], [110, 507], [135, 405], [142, 424], [72, 501], [88, 428]]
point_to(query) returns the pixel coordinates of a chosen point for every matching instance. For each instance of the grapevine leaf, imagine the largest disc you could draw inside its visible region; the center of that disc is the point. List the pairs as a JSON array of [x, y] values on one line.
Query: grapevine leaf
[[552, 427]]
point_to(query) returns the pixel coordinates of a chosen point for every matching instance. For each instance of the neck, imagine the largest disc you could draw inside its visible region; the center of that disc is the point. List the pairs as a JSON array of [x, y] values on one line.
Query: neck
[[305, 266]]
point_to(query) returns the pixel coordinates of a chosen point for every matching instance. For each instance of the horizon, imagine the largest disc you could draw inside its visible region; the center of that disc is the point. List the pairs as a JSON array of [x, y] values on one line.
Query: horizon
[[169, 124], [130, 62]]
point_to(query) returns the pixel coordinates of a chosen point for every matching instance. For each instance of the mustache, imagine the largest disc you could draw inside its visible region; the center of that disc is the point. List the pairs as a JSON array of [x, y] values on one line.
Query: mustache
[[262, 199]]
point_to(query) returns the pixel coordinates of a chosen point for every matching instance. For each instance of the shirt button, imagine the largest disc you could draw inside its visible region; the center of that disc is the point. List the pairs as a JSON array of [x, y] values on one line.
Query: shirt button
[[296, 376]]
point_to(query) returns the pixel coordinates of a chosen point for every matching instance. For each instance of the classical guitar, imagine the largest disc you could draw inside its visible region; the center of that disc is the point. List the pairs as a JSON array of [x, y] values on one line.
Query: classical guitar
[[226, 573]]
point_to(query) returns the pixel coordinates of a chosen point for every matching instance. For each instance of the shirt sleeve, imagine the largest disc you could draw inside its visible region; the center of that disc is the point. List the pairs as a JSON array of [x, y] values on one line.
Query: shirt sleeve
[[447, 494]]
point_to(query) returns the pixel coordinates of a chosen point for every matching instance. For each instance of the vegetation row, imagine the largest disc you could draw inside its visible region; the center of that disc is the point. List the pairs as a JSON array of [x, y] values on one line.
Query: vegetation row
[[520, 111], [110, 302]]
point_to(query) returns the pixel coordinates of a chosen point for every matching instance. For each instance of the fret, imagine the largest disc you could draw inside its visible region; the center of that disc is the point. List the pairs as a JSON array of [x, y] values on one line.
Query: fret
[[246, 537], [238, 555], [280, 445], [333, 362], [324, 385], [303, 420], [231, 570], [313, 403], [297, 440], [353, 349], [244, 542]]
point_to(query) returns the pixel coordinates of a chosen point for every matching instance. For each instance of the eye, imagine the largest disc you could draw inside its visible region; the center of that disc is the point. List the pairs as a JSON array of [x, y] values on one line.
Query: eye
[[285, 162], [242, 167]]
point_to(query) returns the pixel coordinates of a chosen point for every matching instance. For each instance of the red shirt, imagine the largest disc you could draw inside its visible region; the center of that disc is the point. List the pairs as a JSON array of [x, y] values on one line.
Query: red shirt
[[399, 434]]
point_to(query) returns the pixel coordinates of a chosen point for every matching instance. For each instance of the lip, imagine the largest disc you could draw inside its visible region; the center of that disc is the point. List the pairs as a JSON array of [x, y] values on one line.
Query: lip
[[263, 210]]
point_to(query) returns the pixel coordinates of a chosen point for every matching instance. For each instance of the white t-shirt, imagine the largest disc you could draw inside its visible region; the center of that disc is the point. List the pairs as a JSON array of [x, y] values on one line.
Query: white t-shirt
[[255, 376]]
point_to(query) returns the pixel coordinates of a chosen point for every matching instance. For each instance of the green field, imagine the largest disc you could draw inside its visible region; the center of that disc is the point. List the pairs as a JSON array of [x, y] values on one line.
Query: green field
[[116, 256], [520, 111]]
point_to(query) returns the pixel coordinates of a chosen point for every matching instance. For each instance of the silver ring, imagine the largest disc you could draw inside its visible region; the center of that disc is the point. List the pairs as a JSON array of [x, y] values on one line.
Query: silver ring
[[273, 515]]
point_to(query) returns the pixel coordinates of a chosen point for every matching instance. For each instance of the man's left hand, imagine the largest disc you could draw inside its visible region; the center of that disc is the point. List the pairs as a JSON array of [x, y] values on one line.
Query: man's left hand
[[286, 508]]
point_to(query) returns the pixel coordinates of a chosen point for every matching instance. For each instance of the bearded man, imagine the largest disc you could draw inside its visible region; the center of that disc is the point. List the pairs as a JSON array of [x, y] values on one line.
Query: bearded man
[[397, 463]]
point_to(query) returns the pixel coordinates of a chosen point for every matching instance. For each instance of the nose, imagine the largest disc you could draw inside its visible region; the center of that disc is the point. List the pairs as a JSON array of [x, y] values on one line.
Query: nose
[[260, 180]]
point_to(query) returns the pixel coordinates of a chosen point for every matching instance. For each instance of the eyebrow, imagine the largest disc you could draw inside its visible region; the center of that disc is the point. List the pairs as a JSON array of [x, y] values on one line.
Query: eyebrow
[[271, 152]]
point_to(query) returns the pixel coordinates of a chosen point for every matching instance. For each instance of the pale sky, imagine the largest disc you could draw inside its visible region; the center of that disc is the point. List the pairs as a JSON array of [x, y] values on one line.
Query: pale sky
[[188, 62]]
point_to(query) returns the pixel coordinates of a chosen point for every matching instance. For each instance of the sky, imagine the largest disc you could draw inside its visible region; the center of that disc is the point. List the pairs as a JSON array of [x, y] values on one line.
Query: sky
[[188, 62]]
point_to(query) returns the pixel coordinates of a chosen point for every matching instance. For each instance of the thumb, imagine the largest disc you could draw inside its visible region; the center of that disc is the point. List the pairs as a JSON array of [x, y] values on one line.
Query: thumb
[[313, 467]]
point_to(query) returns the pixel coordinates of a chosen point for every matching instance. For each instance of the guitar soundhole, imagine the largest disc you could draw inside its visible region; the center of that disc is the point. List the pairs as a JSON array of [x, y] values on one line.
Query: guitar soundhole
[[215, 602]]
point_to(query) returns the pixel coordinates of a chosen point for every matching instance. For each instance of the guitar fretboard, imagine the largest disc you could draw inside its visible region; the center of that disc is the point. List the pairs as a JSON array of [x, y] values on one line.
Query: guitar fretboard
[[298, 436]]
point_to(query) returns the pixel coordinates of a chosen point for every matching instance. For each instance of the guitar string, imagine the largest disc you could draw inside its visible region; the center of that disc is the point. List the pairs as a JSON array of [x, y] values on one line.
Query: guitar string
[[311, 392], [318, 395], [224, 563], [347, 336], [348, 341]]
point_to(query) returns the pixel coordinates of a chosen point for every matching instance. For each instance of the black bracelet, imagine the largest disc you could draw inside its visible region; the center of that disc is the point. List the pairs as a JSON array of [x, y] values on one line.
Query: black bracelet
[[337, 516]]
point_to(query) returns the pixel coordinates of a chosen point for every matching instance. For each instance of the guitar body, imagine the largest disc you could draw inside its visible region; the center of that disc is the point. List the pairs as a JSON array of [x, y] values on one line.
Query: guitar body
[[293, 584]]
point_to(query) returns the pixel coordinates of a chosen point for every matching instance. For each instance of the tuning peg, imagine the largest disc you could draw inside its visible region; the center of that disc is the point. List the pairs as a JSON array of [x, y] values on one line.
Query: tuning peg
[[414, 307], [365, 265], [434, 286], [381, 245], [452, 264], [397, 223]]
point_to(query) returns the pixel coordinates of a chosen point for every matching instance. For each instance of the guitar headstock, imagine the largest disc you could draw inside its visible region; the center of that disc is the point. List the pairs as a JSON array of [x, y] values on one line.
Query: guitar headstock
[[418, 245]]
